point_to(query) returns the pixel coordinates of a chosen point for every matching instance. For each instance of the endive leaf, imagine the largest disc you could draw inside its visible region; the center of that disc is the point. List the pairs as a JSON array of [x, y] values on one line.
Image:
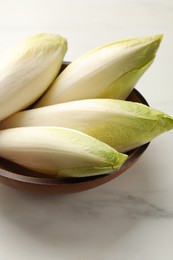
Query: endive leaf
[[59, 151], [110, 71], [124, 84], [123, 125], [28, 70]]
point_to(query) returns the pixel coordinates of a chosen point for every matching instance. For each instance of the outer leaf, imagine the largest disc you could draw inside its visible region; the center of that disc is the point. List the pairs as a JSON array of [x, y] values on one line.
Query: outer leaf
[[59, 151], [110, 71], [123, 125], [29, 70]]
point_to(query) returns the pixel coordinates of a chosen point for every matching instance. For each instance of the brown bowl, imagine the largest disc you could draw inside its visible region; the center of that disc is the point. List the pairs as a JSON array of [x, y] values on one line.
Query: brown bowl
[[21, 178]]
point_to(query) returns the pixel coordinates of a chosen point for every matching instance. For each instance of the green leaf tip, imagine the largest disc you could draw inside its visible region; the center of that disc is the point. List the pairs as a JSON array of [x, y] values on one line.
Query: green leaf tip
[[49, 38], [45, 42], [140, 40]]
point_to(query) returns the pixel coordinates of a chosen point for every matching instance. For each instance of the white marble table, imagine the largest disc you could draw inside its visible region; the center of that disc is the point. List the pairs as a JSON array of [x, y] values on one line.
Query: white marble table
[[130, 217]]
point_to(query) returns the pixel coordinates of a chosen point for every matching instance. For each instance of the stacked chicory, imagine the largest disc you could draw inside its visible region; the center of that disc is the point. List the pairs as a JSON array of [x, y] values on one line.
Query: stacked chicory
[[81, 125]]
